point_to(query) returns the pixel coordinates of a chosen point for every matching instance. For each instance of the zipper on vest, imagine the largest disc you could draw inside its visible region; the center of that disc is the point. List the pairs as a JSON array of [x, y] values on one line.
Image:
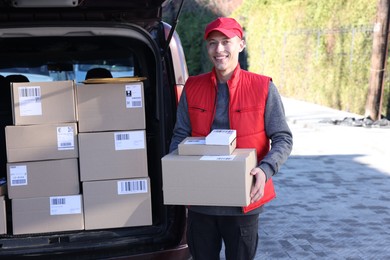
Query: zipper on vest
[[198, 108], [248, 109], [215, 106]]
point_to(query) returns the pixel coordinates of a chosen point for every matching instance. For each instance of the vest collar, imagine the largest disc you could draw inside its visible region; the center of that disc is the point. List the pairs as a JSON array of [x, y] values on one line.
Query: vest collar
[[232, 82]]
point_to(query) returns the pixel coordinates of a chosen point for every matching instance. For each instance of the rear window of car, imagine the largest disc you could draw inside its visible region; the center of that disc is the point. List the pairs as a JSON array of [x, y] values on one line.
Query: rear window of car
[[77, 72]]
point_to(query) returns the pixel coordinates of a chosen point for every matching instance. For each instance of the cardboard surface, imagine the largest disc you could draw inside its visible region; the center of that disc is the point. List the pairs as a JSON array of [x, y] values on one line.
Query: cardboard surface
[[43, 102], [117, 203], [208, 180], [110, 107], [3, 216], [43, 178], [41, 142], [112, 155], [197, 146], [47, 214]]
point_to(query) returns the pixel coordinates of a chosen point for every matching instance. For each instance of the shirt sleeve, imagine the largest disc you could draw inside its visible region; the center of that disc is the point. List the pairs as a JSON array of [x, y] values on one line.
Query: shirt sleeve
[[277, 131], [182, 127]]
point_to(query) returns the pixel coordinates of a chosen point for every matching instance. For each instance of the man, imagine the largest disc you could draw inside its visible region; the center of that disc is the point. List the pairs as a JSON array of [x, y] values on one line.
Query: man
[[229, 97]]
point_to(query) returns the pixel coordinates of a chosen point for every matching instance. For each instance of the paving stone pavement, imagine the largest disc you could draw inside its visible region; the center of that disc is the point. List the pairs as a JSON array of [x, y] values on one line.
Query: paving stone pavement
[[333, 193]]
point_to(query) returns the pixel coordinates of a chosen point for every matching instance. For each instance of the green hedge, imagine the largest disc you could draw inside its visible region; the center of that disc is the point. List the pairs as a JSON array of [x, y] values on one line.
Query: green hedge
[[318, 51], [315, 50]]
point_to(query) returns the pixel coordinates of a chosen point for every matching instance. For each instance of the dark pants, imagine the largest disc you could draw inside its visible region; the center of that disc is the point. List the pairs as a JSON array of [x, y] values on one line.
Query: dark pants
[[205, 234]]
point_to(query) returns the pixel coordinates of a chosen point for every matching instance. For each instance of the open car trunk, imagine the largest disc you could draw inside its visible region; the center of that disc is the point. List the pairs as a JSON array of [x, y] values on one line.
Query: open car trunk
[[56, 44]]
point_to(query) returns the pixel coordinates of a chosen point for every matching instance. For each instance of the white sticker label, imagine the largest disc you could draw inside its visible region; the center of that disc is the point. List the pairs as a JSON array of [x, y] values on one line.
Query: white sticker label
[[30, 101], [18, 175], [224, 131], [65, 138], [132, 186], [217, 158], [133, 96], [129, 140], [65, 205], [198, 141]]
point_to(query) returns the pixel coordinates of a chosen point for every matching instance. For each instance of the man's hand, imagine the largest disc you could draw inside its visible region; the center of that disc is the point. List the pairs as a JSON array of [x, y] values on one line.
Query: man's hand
[[257, 190]]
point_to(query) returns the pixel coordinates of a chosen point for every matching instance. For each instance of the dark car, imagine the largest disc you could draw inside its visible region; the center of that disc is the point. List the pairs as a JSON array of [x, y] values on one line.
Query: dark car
[[42, 40]]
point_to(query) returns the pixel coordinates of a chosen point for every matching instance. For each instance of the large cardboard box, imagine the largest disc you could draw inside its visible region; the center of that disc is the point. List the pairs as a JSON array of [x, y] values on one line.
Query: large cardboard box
[[43, 102], [110, 107], [43, 178], [112, 155], [197, 146], [41, 142], [47, 214], [117, 203], [3, 216], [208, 180]]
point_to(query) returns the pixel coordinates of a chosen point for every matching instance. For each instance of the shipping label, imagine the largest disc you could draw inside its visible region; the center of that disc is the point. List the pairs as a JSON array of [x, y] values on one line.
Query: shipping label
[[18, 175], [132, 186], [130, 140], [217, 158], [198, 141], [65, 138], [65, 205], [30, 101], [133, 96]]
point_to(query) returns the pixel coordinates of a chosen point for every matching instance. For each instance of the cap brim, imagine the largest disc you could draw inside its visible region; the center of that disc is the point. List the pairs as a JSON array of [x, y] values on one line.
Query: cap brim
[[227, 33]]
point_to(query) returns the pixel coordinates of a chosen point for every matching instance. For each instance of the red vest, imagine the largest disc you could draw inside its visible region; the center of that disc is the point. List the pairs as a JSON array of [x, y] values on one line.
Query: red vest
[[247, 100]]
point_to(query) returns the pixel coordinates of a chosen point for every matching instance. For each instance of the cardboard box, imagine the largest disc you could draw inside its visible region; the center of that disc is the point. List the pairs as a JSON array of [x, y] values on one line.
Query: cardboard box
[[110, 107], [43, 102], [41, 142], [43, 178], [3, 216], [221, 137], [197, 146], [117, 203], [47, 214], [112, 155], [208, 180]]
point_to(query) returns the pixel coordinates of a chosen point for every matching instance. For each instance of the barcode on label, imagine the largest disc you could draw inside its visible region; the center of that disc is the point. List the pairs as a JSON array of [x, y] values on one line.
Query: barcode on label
[[132, 186], [121, 137], [227, 131], [30, 92], [136, 103], [18, 182], [223, 158], [58, 201], [217, 158]]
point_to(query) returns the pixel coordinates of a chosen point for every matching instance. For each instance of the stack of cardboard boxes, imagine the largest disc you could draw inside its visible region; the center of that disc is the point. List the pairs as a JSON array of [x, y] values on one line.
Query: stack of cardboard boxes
[[209, 171], [42, 152], [76, 157], [113, 159]]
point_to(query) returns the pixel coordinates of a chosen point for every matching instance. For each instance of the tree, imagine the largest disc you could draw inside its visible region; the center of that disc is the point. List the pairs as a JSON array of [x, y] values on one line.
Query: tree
[[378, 61]]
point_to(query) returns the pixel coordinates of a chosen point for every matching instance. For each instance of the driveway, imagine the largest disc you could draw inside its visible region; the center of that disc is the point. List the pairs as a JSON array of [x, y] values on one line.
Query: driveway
[[333, 193]]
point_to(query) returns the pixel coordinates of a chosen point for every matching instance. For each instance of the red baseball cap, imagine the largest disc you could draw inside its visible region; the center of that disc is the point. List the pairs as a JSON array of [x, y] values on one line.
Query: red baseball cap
[[228, 26]]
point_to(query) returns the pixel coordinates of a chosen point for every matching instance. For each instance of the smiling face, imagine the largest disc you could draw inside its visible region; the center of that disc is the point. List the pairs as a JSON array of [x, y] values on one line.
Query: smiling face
[[223, 53]]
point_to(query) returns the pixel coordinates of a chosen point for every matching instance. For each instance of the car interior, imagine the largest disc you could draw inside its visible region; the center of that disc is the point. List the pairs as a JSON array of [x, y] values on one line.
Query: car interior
[[79, 58]]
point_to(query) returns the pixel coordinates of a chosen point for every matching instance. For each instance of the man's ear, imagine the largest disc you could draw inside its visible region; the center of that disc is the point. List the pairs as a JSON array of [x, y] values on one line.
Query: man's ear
[[242, 45]]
